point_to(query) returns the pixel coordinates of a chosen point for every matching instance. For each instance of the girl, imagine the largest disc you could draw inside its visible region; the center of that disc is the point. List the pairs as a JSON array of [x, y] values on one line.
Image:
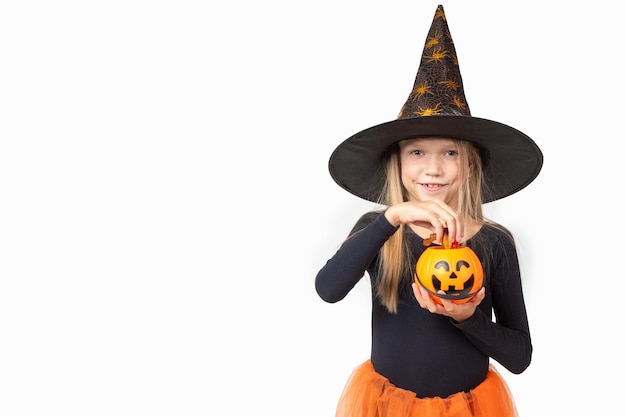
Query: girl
[[431, 170]]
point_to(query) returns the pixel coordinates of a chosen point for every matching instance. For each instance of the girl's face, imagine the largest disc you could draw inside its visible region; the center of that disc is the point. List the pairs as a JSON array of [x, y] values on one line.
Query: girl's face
[[430, 169]]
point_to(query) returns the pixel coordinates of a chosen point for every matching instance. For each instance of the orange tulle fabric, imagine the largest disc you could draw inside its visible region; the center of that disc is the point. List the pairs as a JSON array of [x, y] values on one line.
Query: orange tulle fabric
[[369, 394]]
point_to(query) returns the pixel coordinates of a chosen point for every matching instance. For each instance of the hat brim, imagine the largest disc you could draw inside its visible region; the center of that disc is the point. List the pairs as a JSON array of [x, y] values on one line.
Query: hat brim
[[512, 159]]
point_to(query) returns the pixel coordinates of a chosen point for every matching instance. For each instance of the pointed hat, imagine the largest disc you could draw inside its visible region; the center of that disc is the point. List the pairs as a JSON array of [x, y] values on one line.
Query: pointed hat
[[436, 107]]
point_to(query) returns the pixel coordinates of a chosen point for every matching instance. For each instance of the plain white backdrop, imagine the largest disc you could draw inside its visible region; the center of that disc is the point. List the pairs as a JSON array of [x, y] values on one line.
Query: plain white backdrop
[[165, 201]]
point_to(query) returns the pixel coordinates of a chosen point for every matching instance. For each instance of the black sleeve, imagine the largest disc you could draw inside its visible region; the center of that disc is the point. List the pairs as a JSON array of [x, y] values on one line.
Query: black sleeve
[[507, 339], [341, 272]]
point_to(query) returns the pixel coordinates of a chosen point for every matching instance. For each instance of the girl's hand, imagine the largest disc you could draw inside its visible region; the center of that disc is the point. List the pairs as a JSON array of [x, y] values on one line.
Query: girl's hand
[[433, 215], [458, 312]]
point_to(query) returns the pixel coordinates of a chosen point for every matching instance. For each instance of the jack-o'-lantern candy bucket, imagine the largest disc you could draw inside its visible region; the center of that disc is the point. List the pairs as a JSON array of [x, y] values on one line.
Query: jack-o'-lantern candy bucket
[[453, 269]]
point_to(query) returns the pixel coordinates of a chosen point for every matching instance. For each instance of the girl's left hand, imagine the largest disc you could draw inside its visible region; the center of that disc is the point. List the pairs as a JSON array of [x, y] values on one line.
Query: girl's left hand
[[458, 312]]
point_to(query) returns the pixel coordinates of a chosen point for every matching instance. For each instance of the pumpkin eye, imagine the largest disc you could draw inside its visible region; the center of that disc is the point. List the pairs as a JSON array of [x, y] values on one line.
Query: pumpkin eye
[[443, 264], [459, 264]]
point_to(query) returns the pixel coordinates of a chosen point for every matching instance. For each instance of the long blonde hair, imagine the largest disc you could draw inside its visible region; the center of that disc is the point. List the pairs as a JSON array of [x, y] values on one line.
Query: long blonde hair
[[395, 257]]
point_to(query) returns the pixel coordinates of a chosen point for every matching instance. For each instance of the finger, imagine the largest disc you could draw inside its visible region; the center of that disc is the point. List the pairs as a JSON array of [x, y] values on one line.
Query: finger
[[429, 303], [477, 298], [480, 295], [436, 226], [454, 225], [447, 304], [415, 291], [448, 218], [421, 298]]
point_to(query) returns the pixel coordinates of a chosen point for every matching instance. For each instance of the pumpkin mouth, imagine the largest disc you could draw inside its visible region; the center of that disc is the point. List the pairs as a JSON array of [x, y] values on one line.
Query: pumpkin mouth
[[452, 291]]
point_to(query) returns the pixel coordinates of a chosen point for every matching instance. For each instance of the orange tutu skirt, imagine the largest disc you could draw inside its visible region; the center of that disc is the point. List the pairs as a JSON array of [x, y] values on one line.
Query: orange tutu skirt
[[369, 394]]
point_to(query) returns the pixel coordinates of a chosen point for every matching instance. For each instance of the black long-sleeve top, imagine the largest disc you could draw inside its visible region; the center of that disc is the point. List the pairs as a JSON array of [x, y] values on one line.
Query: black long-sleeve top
[[430, 354]]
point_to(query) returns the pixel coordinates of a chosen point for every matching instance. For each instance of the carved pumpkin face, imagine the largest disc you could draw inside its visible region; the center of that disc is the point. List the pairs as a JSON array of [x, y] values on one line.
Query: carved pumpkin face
[[456, 271]]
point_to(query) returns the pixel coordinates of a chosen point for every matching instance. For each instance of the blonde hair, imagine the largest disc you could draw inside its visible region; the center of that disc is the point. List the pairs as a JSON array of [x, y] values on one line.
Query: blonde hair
[[395, 256]]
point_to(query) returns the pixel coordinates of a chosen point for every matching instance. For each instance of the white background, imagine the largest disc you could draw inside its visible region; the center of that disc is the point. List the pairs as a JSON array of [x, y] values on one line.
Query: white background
[[165, 201]]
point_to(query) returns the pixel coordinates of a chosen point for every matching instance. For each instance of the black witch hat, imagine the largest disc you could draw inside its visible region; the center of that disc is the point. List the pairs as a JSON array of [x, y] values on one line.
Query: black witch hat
[[436, 107]]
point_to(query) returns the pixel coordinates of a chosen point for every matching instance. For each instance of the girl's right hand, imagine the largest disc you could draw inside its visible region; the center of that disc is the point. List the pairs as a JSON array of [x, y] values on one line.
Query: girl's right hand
[[433, 215]]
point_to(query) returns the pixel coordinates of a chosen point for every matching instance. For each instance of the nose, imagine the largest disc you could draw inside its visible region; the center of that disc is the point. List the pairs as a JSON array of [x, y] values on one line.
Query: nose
[[433, 166]]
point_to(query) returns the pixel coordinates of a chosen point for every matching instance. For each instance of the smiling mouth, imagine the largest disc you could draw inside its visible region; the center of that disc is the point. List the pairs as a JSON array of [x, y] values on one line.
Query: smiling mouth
[[452, 290], [430, 186]]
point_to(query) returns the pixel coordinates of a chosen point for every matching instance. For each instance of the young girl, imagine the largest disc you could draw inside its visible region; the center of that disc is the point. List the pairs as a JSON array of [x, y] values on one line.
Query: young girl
[[431, 170]]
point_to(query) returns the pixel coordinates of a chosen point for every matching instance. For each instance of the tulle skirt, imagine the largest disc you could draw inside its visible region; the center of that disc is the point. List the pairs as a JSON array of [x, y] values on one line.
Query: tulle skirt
[[369, 394]]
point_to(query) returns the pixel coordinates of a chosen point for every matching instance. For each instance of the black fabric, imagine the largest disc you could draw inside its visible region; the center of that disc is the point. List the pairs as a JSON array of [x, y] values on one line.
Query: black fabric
[[427, 353]]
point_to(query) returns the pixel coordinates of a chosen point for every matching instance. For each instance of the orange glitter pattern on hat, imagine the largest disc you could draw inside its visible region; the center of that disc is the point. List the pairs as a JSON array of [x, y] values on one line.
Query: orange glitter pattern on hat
[[438, 87]]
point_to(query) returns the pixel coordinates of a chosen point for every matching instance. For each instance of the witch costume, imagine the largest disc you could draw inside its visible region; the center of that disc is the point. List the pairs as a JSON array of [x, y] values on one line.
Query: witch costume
[[425, 364]]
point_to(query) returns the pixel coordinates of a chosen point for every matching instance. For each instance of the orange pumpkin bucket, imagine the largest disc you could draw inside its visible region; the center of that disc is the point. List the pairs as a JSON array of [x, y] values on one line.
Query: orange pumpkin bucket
[[450, 272]]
